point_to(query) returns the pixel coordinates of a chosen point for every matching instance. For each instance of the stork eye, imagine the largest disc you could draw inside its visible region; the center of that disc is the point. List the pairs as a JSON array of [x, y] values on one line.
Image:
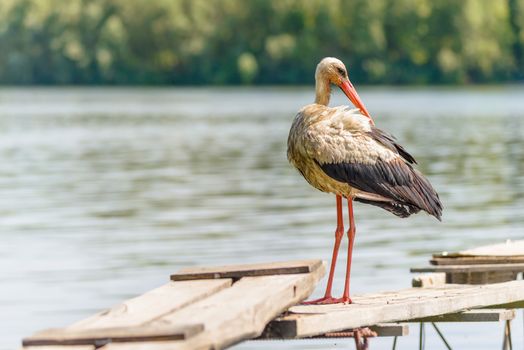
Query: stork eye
[[341, 71]]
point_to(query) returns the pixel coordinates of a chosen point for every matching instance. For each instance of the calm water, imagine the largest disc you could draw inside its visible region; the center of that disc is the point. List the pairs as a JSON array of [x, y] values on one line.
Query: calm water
[[105, 192]]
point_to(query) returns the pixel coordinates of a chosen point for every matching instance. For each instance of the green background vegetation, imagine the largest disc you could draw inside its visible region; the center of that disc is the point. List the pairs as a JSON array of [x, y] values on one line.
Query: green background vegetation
[[193, 42]]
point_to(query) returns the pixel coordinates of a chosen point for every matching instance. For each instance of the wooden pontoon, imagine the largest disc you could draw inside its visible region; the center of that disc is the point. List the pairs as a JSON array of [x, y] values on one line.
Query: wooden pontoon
[[216, 307]]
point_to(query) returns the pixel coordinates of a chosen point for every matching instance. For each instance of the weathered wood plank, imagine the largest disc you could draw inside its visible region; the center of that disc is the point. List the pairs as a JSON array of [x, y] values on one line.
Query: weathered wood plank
[[505, 253], [476, 260], [382, 330], [508, 248], [101, 336], [391, 329], [482, 315], [429, 280], [481, 277], [470, 268], [153, 304], [236, 313], [60, 347], [192, 344], [310, 320], [239, 271]]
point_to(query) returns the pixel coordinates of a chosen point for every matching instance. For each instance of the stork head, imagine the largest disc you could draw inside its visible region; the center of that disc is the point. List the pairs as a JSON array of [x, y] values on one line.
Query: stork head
[[331, 70]]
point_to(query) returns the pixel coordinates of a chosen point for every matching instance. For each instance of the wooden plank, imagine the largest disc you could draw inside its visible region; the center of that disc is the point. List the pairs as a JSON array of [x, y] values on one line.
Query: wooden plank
[[504, 253], [311, 320], [481, 277], [475, 260], [508, 248], [60, 347], [482, 315], [191, 344], [237, 313], [153, 304], [391, 329], [158, 345], [429, 280], [470, 268], [239, 271], [382, 330], [102, 336]]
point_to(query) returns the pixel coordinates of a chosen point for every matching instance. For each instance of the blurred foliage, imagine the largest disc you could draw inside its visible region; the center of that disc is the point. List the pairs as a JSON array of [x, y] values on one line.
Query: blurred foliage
[[259, 41]]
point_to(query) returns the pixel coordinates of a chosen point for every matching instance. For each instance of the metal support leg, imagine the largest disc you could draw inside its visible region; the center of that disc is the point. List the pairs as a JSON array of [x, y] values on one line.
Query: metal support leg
[[441, 336], [394, 343], [421, 337]]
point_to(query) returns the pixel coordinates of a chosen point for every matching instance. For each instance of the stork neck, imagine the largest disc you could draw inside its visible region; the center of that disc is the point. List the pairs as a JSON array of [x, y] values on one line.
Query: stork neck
[[323, 92]]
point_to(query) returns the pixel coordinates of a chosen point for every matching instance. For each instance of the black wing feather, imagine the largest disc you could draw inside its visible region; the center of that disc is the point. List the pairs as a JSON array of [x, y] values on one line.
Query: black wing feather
[[401, 210], [395, 180]]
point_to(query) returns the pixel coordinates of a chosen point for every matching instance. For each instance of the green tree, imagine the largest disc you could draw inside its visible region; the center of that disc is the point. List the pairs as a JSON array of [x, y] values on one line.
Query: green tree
[[194, 42]]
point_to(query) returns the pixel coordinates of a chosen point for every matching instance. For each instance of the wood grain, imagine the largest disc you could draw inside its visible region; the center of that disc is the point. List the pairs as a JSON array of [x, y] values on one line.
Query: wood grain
[[471, 268], [481, 277], [195, 314], [391, 329], [382, 330], [236, 313], [239, 271], [370, 309], [476, 260], [508, 252], [508, 248], [60, 347], [153, 304]]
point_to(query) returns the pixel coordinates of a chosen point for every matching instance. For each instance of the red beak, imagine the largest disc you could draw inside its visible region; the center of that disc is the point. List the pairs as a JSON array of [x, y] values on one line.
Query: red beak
[[352, 94]]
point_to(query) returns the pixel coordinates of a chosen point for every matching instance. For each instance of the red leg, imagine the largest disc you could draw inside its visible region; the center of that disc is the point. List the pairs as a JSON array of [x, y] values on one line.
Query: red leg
[[351, 236], [339, 232]]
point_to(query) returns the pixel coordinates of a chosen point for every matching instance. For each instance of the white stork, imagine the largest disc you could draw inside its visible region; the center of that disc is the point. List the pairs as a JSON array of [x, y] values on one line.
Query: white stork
[[339, 150]]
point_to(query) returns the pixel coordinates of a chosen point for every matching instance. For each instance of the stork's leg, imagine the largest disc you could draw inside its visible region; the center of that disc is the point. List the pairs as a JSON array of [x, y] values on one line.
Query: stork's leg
[[351, 236], [339, 232]]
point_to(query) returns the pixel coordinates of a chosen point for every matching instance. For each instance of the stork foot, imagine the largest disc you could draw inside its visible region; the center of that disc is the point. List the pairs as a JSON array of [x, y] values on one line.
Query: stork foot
[[328, 300]]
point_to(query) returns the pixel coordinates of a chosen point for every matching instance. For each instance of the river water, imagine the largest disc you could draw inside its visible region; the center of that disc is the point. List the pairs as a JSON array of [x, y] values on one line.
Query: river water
[[105, 192]]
